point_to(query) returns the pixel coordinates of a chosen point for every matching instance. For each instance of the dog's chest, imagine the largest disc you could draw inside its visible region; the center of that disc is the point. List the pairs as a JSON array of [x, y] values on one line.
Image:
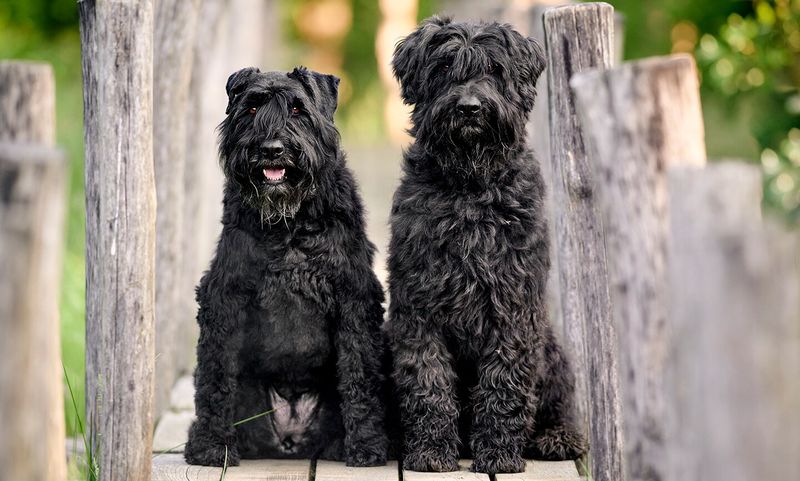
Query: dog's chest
[[287, 333]]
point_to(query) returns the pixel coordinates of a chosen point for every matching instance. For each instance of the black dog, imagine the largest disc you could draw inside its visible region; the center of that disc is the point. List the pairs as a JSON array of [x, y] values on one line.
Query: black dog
[[290, 310], [476, 363]]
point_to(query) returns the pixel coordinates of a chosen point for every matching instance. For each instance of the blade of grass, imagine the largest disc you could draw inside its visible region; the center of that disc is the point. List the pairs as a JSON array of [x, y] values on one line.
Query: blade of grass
[[168, 450], [224, 465], [92, 471], [259, 415]]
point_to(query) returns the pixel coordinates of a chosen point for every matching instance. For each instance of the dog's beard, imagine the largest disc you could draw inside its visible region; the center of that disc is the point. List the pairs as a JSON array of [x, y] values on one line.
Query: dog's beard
[[467, 149], [276, 203]]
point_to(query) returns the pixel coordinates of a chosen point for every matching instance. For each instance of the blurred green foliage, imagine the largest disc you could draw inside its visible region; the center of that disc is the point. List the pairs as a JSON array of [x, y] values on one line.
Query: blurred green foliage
[[755, 59], [47, 31]]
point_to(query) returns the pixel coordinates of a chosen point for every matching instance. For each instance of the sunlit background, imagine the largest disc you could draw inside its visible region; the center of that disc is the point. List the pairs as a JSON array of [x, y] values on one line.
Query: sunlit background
[[748, 53]]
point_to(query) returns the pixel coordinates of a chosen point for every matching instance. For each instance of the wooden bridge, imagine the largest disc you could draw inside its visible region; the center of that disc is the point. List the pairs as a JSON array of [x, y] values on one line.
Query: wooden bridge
[[677, 301]]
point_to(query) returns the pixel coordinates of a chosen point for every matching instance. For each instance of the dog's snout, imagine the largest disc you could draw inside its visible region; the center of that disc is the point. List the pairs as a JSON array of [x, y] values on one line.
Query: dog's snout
[[468, 105], [272, 149]]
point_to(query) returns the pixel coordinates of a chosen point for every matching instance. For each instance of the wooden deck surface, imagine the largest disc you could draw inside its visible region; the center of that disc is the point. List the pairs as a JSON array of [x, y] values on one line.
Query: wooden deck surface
[[172, 467]]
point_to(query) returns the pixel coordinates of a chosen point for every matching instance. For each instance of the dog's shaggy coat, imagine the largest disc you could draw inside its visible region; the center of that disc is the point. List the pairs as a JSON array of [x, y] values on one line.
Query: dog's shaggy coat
[[476, 363], [290, 310]]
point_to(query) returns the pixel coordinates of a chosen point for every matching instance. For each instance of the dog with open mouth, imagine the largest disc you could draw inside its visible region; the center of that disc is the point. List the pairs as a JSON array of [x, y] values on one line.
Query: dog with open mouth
[[290, 309]]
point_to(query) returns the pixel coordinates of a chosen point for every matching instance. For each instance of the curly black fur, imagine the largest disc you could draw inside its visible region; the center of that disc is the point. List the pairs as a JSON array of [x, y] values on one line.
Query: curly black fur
[[476, 364], [290, 310]]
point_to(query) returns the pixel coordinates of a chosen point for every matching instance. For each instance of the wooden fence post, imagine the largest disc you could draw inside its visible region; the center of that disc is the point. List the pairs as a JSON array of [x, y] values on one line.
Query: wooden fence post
[[581, 37], [734, 365], [199, 230], [32, 186], [27, 103], [638, 119], [175, 24], [117, 50]]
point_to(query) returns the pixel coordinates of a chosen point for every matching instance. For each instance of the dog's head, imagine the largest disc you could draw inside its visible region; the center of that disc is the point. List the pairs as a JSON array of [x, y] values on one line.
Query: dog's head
[[278, 137], [472, 85]]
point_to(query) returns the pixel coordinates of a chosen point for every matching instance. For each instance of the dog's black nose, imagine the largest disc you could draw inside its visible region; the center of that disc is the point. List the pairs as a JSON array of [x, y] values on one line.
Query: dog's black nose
[[272, 149], [468, 105]]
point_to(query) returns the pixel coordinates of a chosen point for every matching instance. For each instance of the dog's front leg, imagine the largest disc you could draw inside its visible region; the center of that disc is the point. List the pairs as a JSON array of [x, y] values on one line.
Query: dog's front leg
[[426, 382], [212, 437], [503, 402], [359, 350]]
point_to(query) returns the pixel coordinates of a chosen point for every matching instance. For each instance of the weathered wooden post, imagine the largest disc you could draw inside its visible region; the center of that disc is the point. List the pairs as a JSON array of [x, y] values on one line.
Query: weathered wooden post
[[175, 23], [32, 174], [117, 50], [638, 119], [200, 223], [734, 365], [581, 37]]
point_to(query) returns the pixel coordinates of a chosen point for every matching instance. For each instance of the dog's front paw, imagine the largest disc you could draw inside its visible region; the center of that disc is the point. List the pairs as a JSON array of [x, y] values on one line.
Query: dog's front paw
[[498, 461], [430, 462], [558, 444], [209, 453], [361, 458]]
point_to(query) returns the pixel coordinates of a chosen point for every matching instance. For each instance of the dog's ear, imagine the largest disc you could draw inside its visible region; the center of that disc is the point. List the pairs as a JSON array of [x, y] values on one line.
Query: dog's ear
[[322, 88], [237, 83], [527, 55], [410, 55]]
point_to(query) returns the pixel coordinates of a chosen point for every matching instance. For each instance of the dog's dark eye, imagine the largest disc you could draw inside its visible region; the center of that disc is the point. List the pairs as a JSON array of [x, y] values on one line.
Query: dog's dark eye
[[297, 109], [252, 110], [444, 68], [493, 68]]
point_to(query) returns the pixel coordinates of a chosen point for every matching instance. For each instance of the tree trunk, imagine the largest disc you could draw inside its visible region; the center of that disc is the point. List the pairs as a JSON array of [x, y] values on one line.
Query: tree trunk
[[32, 188], [638, 119], [200, 221], [116, 44], [734, 366], [579, 38], [175, 23]]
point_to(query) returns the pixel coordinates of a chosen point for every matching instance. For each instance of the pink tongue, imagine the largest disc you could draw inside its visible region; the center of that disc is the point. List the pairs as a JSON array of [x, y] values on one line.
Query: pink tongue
[[274, 174]]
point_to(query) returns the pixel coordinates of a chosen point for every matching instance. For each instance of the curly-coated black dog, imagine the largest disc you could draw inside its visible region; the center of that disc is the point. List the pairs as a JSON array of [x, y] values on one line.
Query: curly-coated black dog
[[290, 310], [476, 362]]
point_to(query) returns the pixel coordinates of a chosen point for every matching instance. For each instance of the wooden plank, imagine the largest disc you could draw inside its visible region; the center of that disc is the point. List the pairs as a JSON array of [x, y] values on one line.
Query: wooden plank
[[117, 57], [735, 360], [580, 37], [638, 119], [175, 23], [27, 103], [544, 471], [333, 471], [463, 474], [172, 467], [32, 182]]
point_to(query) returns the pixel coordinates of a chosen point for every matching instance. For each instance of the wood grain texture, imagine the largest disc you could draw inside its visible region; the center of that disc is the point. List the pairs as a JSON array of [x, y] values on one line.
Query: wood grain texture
[[544, 471], [32, 182], [333, 471], [538, 128], [638, 119], [27, 103], [120, 233], [580, 37], [199, 221], [175, 26], [463, 474], [734, 366], [172, 467]]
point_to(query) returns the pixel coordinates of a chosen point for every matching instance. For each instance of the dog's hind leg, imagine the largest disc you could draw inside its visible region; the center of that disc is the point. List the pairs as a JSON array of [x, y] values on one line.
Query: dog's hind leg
[[555, 436], [426, 384]]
